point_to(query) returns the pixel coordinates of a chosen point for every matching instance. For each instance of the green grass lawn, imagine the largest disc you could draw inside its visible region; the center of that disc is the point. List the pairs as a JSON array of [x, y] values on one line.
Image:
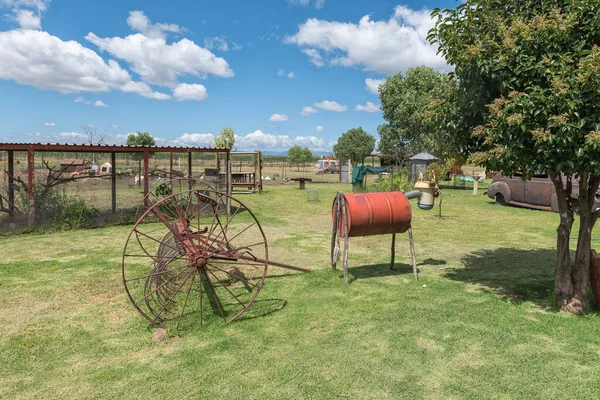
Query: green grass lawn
[[479, 323]]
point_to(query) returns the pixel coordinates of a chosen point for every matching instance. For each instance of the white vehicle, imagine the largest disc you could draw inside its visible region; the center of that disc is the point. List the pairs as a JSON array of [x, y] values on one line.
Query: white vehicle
[[322, 166]]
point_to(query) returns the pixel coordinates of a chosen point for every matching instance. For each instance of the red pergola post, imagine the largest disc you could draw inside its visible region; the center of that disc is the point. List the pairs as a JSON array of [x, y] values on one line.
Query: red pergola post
[[146, 200], [11, 182], [30, 184], [113, 181], [171, 165]]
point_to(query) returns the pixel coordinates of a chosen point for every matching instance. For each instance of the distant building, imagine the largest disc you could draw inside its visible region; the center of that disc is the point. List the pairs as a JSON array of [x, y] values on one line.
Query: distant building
[[420, 162], [74, 165], [105, 168]]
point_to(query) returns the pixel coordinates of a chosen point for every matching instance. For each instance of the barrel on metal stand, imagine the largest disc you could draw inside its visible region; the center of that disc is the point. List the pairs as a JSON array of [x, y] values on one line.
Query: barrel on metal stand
[[367, 214], [379, 213]]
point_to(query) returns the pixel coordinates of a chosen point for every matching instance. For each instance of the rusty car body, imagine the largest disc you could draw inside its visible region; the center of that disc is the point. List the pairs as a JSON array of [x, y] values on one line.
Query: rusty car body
[[537, 193]]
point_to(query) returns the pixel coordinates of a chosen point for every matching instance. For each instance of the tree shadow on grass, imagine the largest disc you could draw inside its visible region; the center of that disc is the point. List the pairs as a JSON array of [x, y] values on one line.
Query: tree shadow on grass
[[516, 275], [379, 270]]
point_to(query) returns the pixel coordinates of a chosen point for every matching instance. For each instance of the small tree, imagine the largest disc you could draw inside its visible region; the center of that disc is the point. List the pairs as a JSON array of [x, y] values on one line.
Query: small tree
[[140, 139], [354, 145], [226, 138], [298, 155], [306, 155]]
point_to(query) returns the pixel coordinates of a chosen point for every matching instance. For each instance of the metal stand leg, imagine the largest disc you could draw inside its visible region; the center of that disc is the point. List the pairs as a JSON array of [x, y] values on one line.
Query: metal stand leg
[[412, 253], [346, 241], [391, 266]]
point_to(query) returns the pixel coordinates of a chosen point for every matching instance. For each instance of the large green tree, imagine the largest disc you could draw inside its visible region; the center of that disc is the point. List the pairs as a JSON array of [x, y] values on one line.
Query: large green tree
[[529, 75], [419, 108], [354, 145], [299, 155], [139, 139]]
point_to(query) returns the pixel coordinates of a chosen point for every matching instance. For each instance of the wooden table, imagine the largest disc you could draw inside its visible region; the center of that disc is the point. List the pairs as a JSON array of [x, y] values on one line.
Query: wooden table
[[302, 182]]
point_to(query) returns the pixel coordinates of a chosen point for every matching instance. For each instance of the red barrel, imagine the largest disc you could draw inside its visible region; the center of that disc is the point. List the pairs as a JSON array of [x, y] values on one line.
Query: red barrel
[[375, 213]]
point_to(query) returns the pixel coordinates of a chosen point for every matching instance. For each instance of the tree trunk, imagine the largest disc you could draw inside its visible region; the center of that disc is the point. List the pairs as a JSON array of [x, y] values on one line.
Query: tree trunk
[[580, 275], [572, 282], [563, 287]]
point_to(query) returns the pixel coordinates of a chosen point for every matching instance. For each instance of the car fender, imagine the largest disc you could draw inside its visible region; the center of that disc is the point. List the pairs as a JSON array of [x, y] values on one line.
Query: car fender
[[499, 187]]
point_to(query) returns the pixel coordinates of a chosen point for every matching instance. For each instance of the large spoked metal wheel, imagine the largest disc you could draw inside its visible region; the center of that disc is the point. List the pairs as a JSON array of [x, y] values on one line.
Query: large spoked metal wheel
[[192, 253], [164, 188]]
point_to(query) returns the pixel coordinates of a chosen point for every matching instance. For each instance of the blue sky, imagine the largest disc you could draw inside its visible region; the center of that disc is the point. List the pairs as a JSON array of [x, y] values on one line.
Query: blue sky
[[280, 72]]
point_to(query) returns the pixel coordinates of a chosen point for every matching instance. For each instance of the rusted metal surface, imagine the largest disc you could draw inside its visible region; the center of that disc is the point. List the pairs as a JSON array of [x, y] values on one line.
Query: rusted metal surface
[[369, 214], [31, 185], [31, 148], [11, 181], [107, 148], [538, 193], [113, 183], [187, 253], [375, 213]]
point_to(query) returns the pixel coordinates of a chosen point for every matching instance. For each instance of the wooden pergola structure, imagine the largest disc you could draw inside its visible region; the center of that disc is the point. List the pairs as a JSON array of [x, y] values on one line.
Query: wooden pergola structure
[[249, 180], [31, 148]]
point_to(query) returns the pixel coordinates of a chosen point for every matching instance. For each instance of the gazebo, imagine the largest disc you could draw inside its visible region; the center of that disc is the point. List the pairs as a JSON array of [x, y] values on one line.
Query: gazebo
[[420, 162]]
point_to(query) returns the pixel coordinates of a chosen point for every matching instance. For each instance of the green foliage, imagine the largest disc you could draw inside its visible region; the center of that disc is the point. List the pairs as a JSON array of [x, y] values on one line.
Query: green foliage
[[140, 139], [75, 215], [420, 109], [440, 169], [354, 145], [299, 155], [532, 70], [226, 138], [397, 179], [529, 76]]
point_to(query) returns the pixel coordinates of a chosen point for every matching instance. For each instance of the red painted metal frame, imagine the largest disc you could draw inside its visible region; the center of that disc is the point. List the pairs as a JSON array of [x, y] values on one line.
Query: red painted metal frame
[[31, 148]]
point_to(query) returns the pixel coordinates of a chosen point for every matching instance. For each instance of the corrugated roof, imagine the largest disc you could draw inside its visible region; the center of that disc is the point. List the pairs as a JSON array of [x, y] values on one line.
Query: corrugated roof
[[105, 148]]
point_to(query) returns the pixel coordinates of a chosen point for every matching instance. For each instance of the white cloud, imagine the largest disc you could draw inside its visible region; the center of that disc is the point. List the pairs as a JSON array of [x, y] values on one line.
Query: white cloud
[[138, 21], [100, 103], [39, 59], [217, 42], [27, 20], [82, 100], [27, 13], [373, 85], [307, 110], [185, 91], [319, 128], [159, 63], [278, 118], [290, 74], [314, 143], [369, 107], [257, 140], [331, 106], [315, 57], [197, 139], [317, 3], [71, 135], [387, 46], [144, 90], [49, 124]]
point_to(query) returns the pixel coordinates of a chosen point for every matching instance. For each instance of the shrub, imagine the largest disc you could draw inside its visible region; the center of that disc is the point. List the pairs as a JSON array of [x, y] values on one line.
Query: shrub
[[75, 215], [397, 179]]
